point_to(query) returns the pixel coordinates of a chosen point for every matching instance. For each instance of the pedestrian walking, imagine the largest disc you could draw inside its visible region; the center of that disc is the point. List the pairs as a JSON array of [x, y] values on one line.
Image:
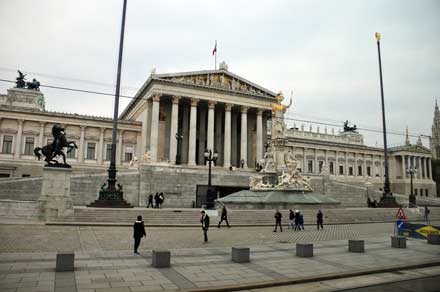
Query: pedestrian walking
[[150, 201], [301, 221], [224, 217], [204, 220], [138, 233], [297, 219], [427, 211], [292, 219], [319, 219], [156, 200], [278, 217]]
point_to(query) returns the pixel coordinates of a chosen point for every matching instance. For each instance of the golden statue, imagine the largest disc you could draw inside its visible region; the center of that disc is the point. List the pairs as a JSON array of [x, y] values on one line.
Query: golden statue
[[278, 106]]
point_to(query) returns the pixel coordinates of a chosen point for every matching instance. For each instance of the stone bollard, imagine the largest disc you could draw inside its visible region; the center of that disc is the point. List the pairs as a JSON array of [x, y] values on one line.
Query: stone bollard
[[356, 245], [240, 254], [65, 262], [398, 241], [304, 250], [161, 258], [434, 238]]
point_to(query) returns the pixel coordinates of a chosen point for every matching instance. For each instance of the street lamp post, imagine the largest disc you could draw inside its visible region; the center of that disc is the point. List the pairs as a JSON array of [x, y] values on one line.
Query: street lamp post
[[412, 198], [210, 194], [387, 200], [109, 195]]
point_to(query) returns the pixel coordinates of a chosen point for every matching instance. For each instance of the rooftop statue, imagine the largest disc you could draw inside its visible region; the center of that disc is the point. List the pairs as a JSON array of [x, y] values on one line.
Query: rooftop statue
[[55, 149], [347, 128], [34, 85], [20, 83], [278, 110]]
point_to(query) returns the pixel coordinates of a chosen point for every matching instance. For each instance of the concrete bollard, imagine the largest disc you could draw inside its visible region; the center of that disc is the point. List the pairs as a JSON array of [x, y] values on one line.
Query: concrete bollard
[[304, 250], [356, 246], [240, 254], [65, 262], [434, 238], [161, 258], [398, 241]]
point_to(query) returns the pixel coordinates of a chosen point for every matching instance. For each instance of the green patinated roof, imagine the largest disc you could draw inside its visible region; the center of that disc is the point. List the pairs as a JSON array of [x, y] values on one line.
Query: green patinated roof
[[273, 196]]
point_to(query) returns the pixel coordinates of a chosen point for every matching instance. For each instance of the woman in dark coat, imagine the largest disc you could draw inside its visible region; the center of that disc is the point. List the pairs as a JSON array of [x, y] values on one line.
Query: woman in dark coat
[[224, 216], [138, 233], [319, 219]]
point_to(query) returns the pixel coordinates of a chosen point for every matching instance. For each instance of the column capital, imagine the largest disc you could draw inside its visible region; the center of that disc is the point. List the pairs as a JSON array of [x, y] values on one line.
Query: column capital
[[211, 104], [82, 127], [156, 96], [228, 107], [41, 123], [102, 130], [121, 131], [194, 101], [244, 109], [260, 111], [175, 99], [20, 121]]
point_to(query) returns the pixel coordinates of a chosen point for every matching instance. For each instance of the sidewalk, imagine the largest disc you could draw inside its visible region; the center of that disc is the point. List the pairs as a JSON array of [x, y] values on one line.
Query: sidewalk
[[210, 268]]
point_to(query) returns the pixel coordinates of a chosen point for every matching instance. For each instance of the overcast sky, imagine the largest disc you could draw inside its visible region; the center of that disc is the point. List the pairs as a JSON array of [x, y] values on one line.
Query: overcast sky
[[325, 51]]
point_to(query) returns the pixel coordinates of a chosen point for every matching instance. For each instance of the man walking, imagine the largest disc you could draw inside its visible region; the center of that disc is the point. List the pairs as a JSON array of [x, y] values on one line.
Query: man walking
[[205, 225], [278, 217], [224, 216], [156, 200], [138, 233], [319, 219], [150, 201], [426, 214], [292, 219]]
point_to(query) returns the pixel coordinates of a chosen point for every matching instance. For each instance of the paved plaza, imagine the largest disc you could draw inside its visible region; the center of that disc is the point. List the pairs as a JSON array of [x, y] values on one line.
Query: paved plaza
[[104, 260]]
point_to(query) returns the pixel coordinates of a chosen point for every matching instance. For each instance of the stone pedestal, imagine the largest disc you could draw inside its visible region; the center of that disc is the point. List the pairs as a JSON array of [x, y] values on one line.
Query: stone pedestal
[[160, 258], [356, 246], [398, 241], [304, 250], [240, 254], [55, 201], [65, 262]]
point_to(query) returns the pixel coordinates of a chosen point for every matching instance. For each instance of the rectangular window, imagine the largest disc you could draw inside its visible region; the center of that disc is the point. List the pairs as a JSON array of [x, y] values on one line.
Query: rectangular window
[[128, 156], [359, 170], [29, 146], [415, 192], [72, 153], [91, 151], [331, 167], [350, 170], [320, 164], [369, 170], [426, 192], [7, 144], [310, 166], [108, 151], [341, 170]]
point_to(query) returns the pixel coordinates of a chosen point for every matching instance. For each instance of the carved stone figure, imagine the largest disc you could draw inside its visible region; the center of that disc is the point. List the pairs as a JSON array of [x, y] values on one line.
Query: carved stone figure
[[34, 85], [256, 182], [51, 151], [347, 128], [269, 161], [278, 124], [234, 84], [146, 157]]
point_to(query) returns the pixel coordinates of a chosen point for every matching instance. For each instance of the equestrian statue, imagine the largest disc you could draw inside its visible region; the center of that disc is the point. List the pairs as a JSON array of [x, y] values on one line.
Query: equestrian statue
[[53, 150]]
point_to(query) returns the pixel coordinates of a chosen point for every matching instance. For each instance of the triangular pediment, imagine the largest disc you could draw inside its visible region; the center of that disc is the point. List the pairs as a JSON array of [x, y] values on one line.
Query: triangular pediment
[[221, 79]]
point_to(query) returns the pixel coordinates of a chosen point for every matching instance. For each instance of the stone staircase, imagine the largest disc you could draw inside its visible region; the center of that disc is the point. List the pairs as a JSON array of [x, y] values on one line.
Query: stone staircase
[[190, 217]]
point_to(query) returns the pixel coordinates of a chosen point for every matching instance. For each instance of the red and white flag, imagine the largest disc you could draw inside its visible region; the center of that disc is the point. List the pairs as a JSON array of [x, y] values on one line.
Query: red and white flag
[[215, 49]]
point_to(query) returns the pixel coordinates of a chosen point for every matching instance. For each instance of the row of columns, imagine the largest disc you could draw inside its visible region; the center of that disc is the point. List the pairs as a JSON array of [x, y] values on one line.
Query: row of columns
[[18, 143], [192, 135], [422, 164]]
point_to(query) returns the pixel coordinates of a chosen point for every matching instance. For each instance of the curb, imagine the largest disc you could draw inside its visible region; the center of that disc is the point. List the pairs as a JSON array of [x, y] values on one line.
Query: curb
[[309, 279]]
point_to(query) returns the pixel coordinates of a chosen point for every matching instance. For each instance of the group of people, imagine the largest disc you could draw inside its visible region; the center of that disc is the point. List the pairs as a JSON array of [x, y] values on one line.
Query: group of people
[[159, 198], [296, 220]]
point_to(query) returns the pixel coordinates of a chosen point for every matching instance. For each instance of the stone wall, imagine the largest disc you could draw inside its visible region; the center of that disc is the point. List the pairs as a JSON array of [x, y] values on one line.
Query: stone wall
[[20, 189]]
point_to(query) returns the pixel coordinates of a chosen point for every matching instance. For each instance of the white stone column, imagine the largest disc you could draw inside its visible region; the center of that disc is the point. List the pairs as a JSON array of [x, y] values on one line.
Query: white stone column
[[243, 134], [101, 146], [429, 167], [234, 137], [81, 144], [119, 149], [315, 162], [210, 142], [227, 140], [41, 137], [259, 146], [18, 147], [422, 168], [403, 166], [305, 170], [346, 165], [364, 166], [192, 132], [154, 138], [418, 165], [173, 131], [144, 130]]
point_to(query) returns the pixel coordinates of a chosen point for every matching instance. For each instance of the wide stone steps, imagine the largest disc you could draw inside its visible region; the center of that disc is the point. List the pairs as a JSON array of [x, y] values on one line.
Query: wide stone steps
[[190, 217]]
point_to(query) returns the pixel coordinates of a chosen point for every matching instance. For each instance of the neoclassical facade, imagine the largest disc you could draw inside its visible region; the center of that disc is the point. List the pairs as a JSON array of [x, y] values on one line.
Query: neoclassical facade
[[174, 118]]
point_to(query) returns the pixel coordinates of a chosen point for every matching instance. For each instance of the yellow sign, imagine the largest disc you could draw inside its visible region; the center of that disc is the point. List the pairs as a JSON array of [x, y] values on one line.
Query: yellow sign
[[424, 231]]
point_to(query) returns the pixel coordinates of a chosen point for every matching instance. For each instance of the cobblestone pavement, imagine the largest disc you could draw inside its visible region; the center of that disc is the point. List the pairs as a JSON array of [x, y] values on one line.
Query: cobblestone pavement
[[192, 268], [41, 238]]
